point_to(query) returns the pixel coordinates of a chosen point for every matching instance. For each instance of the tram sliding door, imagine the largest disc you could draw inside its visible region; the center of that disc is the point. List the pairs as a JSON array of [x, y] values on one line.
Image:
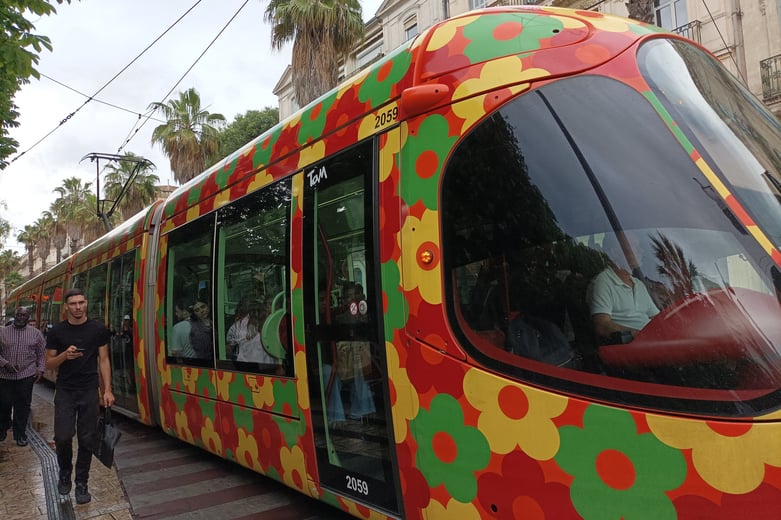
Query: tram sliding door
[[120, 315], [345, 355]]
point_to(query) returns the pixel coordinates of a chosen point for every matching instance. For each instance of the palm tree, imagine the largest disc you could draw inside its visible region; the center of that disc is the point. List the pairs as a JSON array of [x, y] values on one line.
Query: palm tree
[[139, 194], [59, 234], [43, 240], [9, 263], [190, 134], [642, 10], [78, 207], [322, 32], [27, 237]]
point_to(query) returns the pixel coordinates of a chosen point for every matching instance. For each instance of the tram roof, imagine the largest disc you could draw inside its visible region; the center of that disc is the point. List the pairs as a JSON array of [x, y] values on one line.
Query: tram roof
[[312, 133]]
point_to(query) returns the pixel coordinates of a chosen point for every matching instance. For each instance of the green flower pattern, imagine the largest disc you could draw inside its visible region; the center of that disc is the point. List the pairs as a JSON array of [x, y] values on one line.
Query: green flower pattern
[[533, 29], [397, 312], [263, 153], [617, 472], [313, 120], [379, 89], [432, 138], [449, 452]]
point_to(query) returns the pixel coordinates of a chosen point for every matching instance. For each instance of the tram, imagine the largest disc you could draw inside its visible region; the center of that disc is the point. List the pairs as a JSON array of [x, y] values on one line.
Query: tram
[[387, 301]]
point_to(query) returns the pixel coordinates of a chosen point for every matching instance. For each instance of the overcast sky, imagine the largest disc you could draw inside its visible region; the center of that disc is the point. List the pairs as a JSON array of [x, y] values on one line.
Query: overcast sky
[[93, 40]]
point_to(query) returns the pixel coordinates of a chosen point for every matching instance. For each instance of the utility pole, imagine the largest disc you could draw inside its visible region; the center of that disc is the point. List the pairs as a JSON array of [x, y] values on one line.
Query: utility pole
[[95, 157]]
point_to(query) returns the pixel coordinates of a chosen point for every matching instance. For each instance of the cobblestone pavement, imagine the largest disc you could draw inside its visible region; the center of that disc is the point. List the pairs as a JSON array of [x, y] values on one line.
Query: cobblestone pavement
[[23, 489]]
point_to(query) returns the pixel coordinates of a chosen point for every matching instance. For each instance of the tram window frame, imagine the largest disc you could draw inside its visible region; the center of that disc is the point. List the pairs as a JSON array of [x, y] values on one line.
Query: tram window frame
[[562, 227], [196, 239], [51, 310], [255, 280]]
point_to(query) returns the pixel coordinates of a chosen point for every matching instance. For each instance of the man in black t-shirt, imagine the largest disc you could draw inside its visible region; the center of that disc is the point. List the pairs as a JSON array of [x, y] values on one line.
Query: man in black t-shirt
[[78, 347]]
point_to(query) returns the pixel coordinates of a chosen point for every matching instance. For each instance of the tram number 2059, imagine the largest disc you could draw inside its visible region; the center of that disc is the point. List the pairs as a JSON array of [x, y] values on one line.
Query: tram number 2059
[[387, 117], [357, 485]]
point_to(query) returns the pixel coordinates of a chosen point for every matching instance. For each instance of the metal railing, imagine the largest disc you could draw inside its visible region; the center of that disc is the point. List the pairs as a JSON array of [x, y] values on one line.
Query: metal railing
[[513, 2], [770, 71], [691, 31]]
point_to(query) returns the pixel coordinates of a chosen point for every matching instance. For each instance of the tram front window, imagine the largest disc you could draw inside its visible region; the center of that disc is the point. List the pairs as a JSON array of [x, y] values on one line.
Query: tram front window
[[577, 194], [724, 121]]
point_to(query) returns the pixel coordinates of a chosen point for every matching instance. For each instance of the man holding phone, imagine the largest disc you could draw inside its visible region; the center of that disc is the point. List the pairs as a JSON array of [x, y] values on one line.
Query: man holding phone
[[78, 348]]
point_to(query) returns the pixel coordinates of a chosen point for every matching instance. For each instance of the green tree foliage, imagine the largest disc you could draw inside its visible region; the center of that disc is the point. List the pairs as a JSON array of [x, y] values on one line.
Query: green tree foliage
[[76, 206], [322, 31], [642, 10], [139, 193], [246, 127], [190, 134], [19, 49]]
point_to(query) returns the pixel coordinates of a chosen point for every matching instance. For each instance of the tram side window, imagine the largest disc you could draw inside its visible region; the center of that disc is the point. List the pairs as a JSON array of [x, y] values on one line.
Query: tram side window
[[254, 248], [188, 306], [596, 203], [96, 292]]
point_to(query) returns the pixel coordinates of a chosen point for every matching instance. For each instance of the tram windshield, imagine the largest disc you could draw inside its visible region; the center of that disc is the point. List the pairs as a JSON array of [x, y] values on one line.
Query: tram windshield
[[586, 250]]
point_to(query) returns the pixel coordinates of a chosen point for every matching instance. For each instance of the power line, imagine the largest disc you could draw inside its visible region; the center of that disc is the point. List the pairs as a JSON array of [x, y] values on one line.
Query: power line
[[726, 47], [90, 98], [94, 99], [134, 131]]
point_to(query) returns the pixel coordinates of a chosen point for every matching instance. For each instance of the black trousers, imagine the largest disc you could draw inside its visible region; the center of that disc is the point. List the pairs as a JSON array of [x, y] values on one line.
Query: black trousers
[[75, 412], [16, 395]]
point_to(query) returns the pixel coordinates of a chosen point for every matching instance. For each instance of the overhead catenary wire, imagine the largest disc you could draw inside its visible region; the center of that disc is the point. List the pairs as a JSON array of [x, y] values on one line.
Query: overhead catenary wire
[[93, 98], [90, 98], [726, 47], [134, 131]]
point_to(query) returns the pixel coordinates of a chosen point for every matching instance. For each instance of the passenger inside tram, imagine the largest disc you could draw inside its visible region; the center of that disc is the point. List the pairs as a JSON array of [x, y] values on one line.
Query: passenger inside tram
[[619, 301], [201, 331]]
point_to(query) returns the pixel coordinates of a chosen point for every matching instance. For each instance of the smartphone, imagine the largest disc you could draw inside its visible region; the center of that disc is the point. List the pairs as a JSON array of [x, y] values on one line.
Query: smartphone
[[79, 349]]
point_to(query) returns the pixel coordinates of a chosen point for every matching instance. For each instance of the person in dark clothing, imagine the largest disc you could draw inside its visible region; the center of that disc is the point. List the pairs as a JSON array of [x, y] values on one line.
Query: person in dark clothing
[[78, 347], [21, 365]]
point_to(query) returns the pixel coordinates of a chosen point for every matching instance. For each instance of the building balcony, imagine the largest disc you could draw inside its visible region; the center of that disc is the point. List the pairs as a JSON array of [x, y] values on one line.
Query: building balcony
[[770, 71], [691, 31]]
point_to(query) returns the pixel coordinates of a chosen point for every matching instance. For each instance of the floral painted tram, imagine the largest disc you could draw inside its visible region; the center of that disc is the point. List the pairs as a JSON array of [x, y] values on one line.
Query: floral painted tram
[[393, 300]]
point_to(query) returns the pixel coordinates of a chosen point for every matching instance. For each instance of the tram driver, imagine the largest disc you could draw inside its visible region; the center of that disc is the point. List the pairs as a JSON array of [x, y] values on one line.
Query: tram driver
[[620, 303]]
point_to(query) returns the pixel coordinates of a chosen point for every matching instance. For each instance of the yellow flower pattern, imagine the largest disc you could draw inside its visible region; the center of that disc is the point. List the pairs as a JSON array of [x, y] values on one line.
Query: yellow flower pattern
[[407, 402], [294, 468], [210, 437], [247, 451], [745, 450], [515, 416], [453, 509], [416, 233]]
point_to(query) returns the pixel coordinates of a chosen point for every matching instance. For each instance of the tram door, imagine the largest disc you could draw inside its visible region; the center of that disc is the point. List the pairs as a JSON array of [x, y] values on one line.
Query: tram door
[[345, 355], [120, 314]]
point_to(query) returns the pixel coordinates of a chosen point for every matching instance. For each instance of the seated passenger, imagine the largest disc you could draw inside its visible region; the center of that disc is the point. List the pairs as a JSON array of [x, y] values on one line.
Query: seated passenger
[[620, 303], [180, 333]]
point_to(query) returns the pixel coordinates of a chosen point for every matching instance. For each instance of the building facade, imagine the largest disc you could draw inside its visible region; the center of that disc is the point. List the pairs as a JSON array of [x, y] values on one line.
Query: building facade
[[744, 34]]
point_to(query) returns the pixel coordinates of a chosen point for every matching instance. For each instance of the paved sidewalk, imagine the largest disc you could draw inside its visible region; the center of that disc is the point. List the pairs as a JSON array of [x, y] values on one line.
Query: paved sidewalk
[[22, 477]]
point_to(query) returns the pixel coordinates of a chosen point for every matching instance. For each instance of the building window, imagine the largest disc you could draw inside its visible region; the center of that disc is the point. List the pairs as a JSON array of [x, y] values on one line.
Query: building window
[[477, 4], [369, 54], [410, 31], [670, 13]]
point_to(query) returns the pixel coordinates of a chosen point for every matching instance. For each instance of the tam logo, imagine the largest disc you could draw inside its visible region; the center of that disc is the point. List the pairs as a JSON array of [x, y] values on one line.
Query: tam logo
[[316, 175]]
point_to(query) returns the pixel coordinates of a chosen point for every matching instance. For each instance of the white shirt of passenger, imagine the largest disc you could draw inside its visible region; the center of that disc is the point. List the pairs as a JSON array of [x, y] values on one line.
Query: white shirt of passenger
[[627, 306]]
